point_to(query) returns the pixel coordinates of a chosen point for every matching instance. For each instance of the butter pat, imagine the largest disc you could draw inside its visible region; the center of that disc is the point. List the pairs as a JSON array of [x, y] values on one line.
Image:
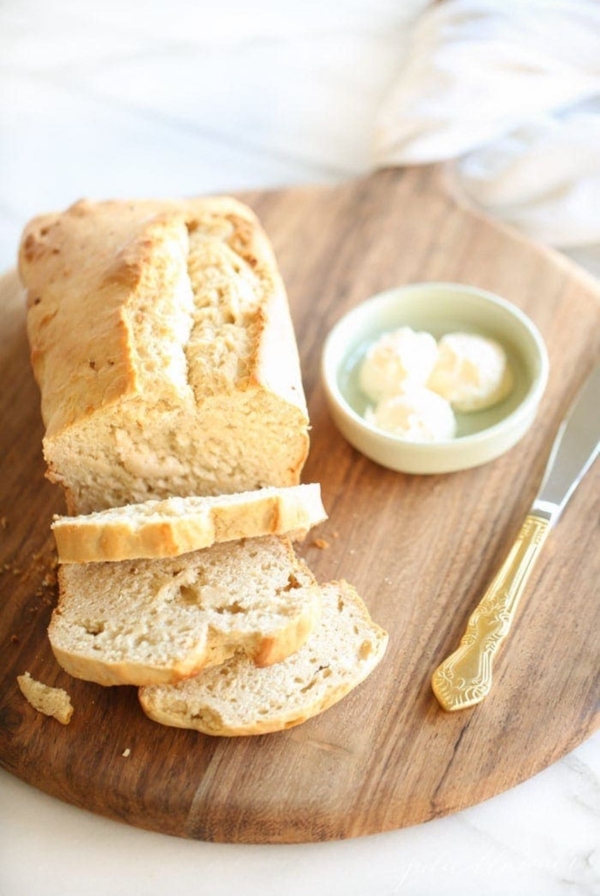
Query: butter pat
[[471, 372], [397, 359], [416, 413]]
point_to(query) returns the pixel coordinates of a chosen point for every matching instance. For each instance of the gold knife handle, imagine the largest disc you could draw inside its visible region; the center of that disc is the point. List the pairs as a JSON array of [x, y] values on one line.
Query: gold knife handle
[[465, 678]]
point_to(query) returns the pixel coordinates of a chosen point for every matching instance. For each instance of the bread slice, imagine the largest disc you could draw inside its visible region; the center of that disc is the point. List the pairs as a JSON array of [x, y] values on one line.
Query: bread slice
[[179, 525], [238, 698], [49, 701], [162, 342], [156, 621]]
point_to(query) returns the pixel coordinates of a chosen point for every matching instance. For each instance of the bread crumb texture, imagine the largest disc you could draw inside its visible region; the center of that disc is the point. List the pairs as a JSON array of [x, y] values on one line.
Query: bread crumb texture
[[237, 698], [156, 621], [50, 701]]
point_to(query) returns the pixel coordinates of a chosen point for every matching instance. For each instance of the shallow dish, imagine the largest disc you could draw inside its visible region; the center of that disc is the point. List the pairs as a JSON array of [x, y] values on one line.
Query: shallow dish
[[437, 308]]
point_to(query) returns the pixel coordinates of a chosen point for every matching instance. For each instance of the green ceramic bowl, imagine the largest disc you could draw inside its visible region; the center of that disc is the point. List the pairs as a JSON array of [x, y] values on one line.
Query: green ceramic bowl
[[438, 308]]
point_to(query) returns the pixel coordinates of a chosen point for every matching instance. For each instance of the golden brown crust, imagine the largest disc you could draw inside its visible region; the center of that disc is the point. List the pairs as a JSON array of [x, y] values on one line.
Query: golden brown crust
[[94, 276], [179, 526], [92, 262]]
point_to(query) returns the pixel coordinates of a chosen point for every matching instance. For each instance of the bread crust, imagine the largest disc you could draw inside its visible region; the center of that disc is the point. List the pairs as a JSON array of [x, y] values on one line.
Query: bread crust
[[178, 526], [91, 274]]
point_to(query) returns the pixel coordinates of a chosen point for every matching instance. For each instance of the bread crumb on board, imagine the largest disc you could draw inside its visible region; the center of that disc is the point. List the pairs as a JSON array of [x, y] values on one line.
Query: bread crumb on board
[[321, 543], [126, 752], [45, 699]]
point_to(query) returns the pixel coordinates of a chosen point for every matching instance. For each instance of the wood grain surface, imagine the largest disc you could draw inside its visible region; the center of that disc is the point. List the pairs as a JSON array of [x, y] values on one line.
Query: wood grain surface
[[419, 549]]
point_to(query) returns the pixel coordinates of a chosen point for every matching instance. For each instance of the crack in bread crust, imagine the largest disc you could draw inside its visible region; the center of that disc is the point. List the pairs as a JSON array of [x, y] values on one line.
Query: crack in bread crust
[[153, 324]]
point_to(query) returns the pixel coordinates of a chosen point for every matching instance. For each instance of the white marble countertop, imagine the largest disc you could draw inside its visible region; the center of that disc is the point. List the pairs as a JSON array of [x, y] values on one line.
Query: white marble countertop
[[142, 98]]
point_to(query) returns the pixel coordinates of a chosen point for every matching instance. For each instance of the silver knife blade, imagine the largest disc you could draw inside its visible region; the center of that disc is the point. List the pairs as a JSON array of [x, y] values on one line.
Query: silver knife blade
[[575, 448]]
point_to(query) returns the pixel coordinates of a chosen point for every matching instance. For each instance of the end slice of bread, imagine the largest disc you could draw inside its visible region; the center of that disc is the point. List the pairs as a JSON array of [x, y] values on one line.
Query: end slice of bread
[[149, 622], [50, 701], [238, 698], [176, 526]]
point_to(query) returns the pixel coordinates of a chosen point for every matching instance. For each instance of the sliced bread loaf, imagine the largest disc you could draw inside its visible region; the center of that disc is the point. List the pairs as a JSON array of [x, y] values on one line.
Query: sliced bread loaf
[[164, 349], [177, 526], [156, 621], [239, 698]]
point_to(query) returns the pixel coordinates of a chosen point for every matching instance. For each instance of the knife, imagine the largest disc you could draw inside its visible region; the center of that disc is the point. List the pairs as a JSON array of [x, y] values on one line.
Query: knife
[[465, 677]]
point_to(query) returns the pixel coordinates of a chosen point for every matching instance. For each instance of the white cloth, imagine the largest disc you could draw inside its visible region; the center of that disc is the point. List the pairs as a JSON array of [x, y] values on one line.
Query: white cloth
[[512, 91]]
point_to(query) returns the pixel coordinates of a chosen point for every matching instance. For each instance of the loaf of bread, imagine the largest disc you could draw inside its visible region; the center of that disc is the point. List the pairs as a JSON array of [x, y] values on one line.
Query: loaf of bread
[[155, 621], [163, 346], [177, 526], [238, 698], [176, 423]]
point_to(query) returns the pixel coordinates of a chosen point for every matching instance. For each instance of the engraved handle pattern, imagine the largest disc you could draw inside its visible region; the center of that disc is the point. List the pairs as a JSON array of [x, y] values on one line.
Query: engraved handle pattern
[[465, 677]]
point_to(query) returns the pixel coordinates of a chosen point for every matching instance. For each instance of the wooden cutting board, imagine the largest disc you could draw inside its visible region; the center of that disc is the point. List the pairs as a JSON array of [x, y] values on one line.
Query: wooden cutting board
[[419, 549]]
